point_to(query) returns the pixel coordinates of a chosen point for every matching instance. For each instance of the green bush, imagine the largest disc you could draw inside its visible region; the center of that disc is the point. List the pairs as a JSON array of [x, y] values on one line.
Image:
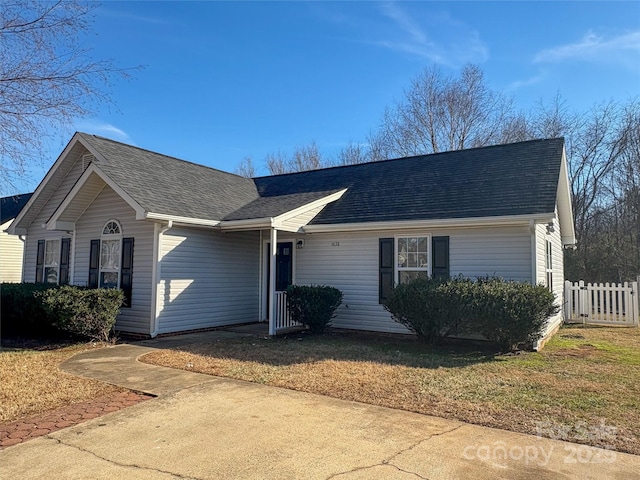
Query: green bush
[[507, 313], [313, 306], [430, 308], [513, 313], [81, 311], [22, 312]]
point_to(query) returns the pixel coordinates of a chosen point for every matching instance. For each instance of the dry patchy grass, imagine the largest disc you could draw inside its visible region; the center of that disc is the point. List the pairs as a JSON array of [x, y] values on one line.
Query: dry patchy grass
[[32, 383], [585, 382]]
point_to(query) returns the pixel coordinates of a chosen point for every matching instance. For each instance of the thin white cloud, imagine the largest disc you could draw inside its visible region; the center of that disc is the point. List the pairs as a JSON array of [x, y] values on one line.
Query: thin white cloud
[[527, 82], [596, 48], [105, 129], [458, 43], [121, 14]]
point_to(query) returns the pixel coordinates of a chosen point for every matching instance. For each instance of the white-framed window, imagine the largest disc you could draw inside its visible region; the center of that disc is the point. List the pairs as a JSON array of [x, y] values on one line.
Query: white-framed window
[[412, 257], [110, 254], [51, 263], [548, 264]]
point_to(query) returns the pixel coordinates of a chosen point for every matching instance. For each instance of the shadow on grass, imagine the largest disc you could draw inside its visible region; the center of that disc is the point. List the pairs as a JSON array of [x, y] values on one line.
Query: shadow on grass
[[302, 347]]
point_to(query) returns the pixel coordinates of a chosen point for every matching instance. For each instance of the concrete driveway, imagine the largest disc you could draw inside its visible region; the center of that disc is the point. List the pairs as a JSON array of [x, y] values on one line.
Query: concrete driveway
[[213, 428]]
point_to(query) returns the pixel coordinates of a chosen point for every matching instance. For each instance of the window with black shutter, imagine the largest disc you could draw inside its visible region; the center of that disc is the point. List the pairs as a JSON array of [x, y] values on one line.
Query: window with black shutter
[[440, 255], [386, 268], [408, 256], [52, 261], [111, 261]]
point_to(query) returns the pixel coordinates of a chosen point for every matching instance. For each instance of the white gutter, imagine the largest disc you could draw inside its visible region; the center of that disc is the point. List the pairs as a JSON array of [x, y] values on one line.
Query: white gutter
[[413, 224], [178, 219], [249, 224], [156, 273]]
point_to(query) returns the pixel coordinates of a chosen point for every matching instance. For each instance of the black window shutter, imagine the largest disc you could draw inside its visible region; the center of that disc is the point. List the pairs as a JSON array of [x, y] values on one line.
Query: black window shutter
[[40, 262], [386, 268], [126, 270], [65, 247], [94, 264], [440, 255]]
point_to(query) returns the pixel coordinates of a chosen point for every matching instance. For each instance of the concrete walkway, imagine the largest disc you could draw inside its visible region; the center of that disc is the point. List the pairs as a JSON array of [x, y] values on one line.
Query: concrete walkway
[[203, 427]]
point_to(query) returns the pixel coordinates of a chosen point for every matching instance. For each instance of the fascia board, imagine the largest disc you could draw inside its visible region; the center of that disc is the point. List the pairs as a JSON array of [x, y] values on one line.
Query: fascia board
[[443, 223], [13, 228]]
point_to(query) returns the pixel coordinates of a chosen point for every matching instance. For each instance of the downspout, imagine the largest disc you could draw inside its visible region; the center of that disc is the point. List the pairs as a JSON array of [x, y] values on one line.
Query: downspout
[[72, 260], [534, 253], [23, 239], [157, 274], [261, 287]]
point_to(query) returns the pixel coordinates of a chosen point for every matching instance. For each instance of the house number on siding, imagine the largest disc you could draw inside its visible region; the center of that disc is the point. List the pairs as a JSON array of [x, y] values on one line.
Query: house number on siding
[[335, 244]]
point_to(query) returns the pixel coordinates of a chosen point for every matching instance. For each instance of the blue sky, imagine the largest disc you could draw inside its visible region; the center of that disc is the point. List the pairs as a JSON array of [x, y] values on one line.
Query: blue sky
[[226, 80]]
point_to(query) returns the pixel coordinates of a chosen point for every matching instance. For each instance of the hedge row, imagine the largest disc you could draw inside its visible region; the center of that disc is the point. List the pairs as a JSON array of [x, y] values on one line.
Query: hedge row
[[507, 313], [37, 310]]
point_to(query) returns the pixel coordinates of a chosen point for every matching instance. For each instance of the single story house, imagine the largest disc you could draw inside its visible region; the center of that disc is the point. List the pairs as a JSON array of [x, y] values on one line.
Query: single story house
[[194, 247], [11, 246]]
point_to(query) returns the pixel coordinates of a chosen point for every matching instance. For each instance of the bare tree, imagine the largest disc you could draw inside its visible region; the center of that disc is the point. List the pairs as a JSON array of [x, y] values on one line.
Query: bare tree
[[303, 158], [246, 168], [604, 159], [277, 163], [47, 77], [353, 153], [440, 113]]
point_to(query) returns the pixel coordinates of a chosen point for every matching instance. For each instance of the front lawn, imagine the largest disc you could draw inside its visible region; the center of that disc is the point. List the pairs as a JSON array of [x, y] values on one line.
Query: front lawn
[[584, 386], [31, 382]]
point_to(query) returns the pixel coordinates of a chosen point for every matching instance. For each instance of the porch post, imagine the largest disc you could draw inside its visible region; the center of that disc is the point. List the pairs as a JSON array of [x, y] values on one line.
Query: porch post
[[273, 250]]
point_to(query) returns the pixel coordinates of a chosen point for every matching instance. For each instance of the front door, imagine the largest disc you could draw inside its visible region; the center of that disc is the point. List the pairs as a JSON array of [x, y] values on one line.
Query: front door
[[284, 266]]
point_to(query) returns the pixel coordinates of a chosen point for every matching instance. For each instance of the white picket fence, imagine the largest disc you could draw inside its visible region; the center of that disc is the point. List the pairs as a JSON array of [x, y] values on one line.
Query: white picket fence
[[602, 304]]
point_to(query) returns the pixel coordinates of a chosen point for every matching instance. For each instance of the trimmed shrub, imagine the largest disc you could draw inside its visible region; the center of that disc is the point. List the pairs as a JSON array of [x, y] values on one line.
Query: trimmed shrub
[[85, 312], [512, 313], [507, 313], [430, 308], [313, 306], [22, 312]]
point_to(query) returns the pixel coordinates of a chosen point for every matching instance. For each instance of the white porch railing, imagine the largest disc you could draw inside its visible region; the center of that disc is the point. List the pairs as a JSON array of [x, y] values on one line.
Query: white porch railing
[[603, 304], [282, 317]]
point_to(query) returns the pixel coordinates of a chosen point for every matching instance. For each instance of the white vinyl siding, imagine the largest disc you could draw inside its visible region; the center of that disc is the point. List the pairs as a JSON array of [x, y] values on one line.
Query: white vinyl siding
[[557, 252], [294, 223], [207, 279], [108, 205], [350, 262], [11, 255], [36, 231], [501, 252]]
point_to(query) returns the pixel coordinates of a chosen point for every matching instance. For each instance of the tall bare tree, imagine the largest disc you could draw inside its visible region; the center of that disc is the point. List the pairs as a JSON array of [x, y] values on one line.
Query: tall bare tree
[[47, 77], [440, 112]]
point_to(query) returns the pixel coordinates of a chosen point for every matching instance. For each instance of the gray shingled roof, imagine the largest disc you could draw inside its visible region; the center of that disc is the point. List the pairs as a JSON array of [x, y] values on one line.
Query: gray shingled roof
[[10, 206], [167, 185], [265, 207], [503, 180]]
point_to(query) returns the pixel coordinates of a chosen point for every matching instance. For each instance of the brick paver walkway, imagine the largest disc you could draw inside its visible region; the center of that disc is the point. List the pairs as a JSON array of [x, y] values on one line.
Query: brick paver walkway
[[36, 426]]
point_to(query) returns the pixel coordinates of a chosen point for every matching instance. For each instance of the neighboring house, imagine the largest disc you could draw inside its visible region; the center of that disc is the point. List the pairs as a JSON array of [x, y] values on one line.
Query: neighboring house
[[11, 247], [194, 247]]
